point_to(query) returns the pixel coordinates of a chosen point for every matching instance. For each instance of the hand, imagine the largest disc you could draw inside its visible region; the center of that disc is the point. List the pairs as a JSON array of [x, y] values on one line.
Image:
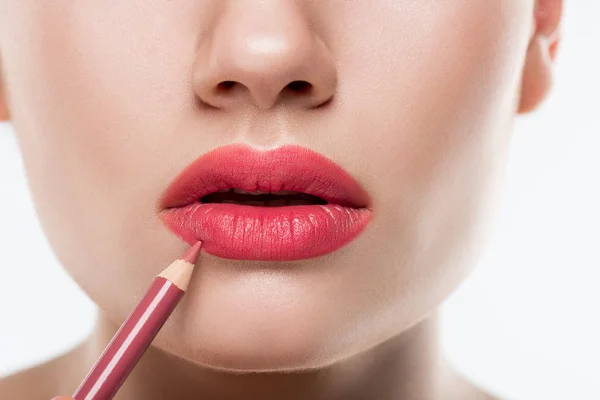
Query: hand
[[62, 398]]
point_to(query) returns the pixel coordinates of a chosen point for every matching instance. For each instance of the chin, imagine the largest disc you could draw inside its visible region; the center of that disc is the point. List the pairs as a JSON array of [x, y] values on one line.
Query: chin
[[241, 350], [254, 333]]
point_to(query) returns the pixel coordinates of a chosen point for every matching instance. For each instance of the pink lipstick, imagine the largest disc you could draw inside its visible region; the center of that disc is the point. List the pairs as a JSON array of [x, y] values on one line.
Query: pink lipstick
[[285, 204]]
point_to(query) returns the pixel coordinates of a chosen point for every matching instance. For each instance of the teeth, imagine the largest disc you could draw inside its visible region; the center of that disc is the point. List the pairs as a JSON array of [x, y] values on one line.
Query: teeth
[[281, 193], [285, 192], [240, 191], [270, 203]]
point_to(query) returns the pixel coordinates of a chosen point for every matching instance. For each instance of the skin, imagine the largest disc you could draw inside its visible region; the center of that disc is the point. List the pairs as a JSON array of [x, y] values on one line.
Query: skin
[[111, 100]]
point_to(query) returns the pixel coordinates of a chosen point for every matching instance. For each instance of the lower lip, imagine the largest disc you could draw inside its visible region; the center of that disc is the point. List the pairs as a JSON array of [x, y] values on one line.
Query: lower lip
[[267, 233]]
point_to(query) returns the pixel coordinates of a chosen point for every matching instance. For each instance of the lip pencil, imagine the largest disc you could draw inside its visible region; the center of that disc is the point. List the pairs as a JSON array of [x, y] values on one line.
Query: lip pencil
[[139, 329]]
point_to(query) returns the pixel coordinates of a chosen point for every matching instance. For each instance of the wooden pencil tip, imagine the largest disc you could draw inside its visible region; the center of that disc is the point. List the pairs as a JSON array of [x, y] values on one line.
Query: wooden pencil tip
[[191, 255]]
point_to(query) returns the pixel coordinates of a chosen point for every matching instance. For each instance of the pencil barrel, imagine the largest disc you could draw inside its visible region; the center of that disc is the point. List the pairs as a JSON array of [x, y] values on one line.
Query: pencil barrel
[[130, 342]]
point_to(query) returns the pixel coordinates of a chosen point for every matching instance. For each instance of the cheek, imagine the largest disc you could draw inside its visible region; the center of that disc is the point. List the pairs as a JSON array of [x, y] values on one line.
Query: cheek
[[100, 89], [434, 105]]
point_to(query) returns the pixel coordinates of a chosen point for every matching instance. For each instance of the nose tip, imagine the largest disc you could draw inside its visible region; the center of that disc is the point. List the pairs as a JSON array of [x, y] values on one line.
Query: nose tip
[[264, 63]]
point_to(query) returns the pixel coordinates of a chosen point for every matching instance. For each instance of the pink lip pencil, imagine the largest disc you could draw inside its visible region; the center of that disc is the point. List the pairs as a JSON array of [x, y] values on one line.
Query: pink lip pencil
[[139, 329]]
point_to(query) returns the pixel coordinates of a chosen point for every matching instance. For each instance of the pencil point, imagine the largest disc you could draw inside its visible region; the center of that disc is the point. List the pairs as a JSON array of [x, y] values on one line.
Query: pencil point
[[191, 255]]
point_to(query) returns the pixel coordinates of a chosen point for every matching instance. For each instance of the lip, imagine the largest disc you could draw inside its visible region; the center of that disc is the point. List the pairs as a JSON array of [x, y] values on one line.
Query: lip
[[246, 232]]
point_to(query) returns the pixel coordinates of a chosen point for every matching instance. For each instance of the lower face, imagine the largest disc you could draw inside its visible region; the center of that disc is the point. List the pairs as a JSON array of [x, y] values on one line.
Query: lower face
[[106, 117]]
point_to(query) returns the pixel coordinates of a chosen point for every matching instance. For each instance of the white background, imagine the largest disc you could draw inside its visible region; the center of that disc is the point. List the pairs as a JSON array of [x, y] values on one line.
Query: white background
[[526, 324]]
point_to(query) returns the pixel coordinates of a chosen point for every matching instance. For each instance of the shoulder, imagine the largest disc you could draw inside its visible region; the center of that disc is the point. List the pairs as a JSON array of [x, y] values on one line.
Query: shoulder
[[33, 383], [43, 381]]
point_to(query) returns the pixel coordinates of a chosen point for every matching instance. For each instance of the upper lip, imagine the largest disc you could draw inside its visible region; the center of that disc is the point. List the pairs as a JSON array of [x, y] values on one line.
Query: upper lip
[[287, 168]]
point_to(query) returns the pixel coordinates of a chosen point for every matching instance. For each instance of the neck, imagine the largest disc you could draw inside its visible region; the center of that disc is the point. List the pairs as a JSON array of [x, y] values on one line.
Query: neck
[[408, 366]]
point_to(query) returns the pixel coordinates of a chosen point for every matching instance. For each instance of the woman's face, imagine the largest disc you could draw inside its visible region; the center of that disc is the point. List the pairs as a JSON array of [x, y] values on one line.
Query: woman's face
[[112, 100]]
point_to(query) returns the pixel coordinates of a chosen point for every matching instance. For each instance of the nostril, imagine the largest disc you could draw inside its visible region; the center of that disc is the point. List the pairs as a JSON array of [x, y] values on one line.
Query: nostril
[[293, 91], [225, 85], [300, 86]]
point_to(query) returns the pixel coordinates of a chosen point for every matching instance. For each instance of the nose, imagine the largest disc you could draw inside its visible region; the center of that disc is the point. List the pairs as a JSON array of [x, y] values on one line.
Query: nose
[[263, 53]]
